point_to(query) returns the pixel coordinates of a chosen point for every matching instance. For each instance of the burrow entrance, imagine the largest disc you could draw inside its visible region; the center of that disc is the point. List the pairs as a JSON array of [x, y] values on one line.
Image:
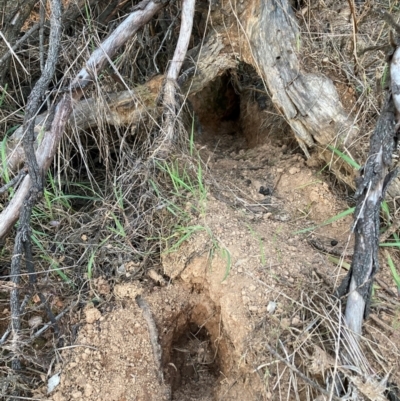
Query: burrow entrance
[[196, 355], [195, 364], [235, 112]]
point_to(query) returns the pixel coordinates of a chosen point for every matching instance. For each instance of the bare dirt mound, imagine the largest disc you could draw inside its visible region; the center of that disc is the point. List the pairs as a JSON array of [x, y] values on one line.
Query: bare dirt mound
[[245, 280], [209, 313]]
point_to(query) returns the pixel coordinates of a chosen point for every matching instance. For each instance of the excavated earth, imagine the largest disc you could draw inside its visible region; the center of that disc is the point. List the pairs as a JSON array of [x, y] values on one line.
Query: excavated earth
[[236, 285]]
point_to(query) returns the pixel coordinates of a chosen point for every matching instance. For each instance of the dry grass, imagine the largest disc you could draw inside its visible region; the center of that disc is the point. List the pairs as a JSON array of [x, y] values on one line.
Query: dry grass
[[304, 350], [336, 47]]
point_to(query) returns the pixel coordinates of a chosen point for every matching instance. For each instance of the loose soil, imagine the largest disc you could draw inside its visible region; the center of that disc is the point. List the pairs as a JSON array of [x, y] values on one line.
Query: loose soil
[[246, 279]]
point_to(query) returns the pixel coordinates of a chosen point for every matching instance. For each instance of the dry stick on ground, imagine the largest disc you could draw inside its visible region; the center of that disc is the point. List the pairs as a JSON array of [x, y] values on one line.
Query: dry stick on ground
[[371, 189], [51, 139], [22, 240], [153, 334], [170, 89]]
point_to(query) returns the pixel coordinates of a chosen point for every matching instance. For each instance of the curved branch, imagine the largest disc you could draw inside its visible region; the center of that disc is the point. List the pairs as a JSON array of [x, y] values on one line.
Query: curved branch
[[171, 84]]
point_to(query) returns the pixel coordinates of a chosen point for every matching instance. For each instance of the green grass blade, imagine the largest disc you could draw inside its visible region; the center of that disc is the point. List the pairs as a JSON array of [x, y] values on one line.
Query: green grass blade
[[90, 264], [395, 244], [344, 157], [55, 266], [191, 137], [396, 277], [329, 221], [337, 261], [227, 256]]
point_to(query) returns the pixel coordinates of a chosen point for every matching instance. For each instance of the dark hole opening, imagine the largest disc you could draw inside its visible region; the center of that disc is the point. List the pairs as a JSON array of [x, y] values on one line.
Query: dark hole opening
[[194, 366]]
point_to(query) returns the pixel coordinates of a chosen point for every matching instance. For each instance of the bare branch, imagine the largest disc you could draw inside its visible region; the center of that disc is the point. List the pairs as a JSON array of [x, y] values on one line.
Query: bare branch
[[112, 44], [171, 84], [22, 240], [371, 190]]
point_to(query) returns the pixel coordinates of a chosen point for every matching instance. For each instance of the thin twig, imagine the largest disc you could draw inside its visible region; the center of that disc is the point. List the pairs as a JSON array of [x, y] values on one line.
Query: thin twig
[[48, 325], [171, 84], [18, 43], [14, 181], [13, 53], [153, 334]]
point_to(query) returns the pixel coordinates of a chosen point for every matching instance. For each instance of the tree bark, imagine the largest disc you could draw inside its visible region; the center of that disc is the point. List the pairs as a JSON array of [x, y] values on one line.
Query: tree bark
[[308, 101]]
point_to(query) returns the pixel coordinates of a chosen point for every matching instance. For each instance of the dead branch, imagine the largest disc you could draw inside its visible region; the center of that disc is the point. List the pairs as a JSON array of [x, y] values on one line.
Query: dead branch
[[117, 109], [171, 106], [371, 189], [153, 334], [68, 17], [52, 137], [143, 13], [308, 101], [22, 240]]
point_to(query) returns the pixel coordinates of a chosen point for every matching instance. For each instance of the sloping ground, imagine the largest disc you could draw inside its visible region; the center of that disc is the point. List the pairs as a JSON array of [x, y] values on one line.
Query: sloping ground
[[244, 281]]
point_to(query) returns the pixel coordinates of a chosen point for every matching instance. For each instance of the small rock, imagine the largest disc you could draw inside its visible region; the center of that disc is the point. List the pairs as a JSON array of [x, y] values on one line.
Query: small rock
[[35, 321], [92, 315], [271, 307], [88, 390], [53, 382], [285, 323], [245, 299], [76, 394], [266, 216], [253, 308], [314, 196], [294, 170], [128, 290], [102, 286], [158, 278]]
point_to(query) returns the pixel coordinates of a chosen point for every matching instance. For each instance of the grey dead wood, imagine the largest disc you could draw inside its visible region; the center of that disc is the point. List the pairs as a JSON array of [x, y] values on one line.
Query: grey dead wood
[[171, 88], [309, 102], [376, 176], [371, 188], [22, 246]]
